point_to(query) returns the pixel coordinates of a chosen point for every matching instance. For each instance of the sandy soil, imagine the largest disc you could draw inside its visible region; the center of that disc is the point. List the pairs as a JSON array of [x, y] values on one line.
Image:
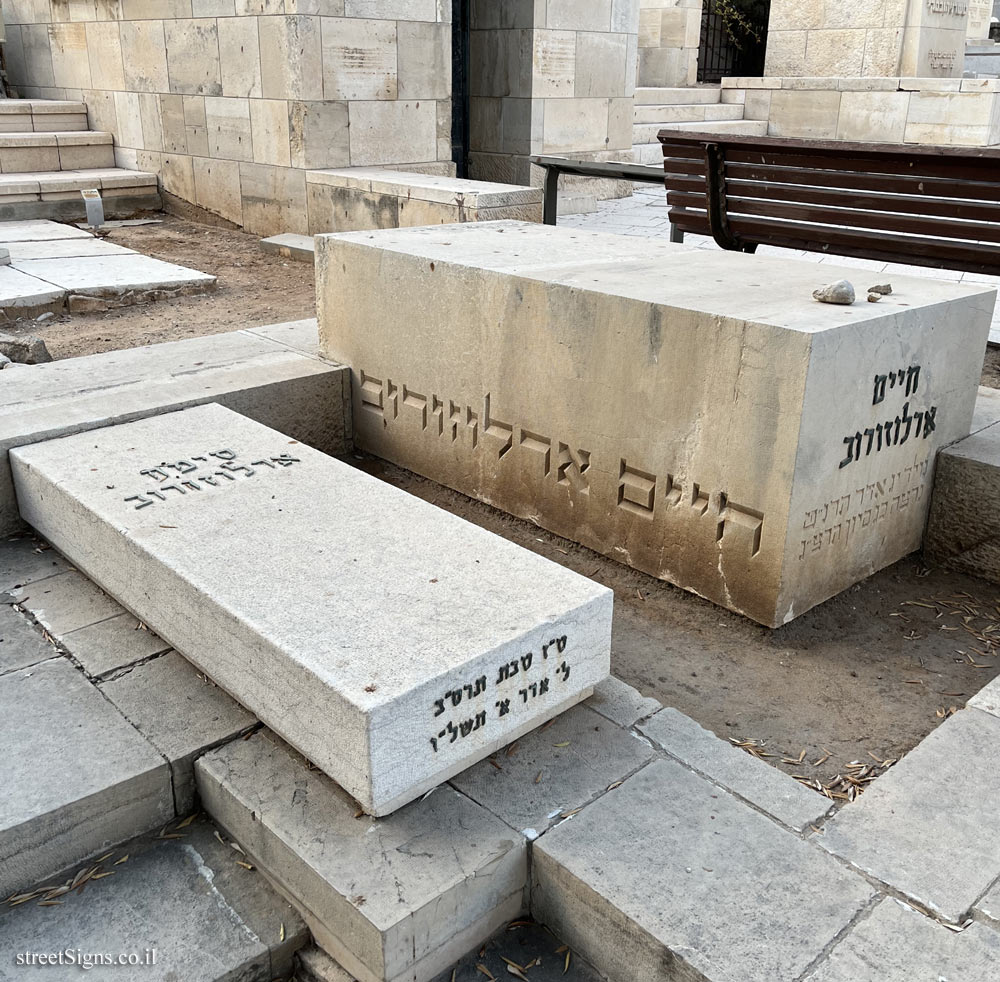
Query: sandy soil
[[864, 676]]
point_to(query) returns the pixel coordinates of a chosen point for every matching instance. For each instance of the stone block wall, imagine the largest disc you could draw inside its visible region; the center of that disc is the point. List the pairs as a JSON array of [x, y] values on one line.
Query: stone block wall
[[946, 111], [669, 32], [552, 76], [230, 102], [883, 38]]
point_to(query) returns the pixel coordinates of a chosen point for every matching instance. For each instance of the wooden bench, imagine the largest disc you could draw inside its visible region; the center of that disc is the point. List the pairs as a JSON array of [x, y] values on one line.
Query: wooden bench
[[925, 206]]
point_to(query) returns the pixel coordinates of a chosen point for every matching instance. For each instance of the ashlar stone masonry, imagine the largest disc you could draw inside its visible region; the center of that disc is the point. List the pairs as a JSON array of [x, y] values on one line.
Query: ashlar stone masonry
[[390, 642], [694, 414]]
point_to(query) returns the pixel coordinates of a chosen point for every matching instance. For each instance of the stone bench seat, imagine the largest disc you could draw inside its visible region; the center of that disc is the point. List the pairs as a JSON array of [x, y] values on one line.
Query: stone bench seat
[[358, 198]]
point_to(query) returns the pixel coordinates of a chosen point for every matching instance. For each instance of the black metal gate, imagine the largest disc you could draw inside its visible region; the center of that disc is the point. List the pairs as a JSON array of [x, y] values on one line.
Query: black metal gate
[[733, 38]]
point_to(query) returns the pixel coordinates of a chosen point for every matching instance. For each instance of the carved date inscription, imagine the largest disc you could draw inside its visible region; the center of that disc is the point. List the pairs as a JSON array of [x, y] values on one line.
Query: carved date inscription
[[201, 472], [535, 672]]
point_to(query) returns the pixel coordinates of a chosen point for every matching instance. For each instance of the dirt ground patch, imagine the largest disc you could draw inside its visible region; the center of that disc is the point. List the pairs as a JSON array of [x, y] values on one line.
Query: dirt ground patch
[[253, 289], [865, 675]]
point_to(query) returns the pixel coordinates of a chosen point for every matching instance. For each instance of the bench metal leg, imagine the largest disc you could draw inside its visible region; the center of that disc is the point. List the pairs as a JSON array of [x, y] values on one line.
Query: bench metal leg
[[550, 206], [676, 234]]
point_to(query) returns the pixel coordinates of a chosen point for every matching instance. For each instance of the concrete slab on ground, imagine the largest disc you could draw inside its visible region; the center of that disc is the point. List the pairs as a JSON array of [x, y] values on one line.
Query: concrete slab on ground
[[554, 771], [928, 827], [66, 602], [765, 787], [25, 559], [207, 918], [21, 643], [115, 643], [396, 898], [669, 876], [987, 699], [897, 944], [180, 712], [103, 275], [299, 395], [77, 777]]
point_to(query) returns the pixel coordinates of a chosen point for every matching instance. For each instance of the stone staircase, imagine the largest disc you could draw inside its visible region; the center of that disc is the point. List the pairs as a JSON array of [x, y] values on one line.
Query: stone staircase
[[48, 156], [700, 109]]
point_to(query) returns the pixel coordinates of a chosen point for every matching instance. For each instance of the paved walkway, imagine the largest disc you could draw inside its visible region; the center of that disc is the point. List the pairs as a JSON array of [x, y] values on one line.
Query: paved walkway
[[645, 213]]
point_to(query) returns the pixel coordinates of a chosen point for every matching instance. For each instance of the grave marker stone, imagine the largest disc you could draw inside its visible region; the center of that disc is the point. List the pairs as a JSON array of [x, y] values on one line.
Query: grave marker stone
[[694, 414], [390, 642]]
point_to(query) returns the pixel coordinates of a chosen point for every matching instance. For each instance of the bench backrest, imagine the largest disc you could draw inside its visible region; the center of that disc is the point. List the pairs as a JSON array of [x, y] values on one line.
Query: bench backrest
[[928, 206]]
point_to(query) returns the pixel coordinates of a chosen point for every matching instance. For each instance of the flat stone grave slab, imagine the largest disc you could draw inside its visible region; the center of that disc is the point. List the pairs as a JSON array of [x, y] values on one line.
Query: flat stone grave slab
[[390, 642], [100, 275], [21, 290], [694, 414], [64, 249], [39, 231], [77, 777]]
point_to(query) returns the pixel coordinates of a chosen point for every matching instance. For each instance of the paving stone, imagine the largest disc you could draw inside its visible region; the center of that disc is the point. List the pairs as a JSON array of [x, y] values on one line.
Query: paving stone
[[554, 770], [669, 877], [987, 908], [77, 777], [40, 230], [21, 643], [927, 827], [619, 702], [897, 944], [112, 644], [66, 602], [101, 275], [772, 791], [207, 919], [376, 713], [304, 397], [24, 559], [987, 698], [180, 712], [300, 335], [397, 898]]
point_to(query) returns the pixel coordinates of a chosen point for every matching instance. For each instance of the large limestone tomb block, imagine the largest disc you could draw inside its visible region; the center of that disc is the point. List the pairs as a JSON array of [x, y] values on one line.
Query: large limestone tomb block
[[694, 414], [390, 642]]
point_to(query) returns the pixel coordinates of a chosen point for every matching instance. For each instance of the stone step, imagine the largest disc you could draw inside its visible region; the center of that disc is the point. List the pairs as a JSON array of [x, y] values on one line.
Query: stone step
[[56, 194], [22, 153], [660, 115], [272, 374], [291, 245], [179, 904], [652, 95], [398, 898], [734, 127], [539, 643], [41, 116]]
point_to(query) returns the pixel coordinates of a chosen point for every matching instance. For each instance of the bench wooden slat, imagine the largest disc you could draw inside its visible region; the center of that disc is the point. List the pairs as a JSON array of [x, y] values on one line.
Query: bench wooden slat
[[872, 245], [854, 217]]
